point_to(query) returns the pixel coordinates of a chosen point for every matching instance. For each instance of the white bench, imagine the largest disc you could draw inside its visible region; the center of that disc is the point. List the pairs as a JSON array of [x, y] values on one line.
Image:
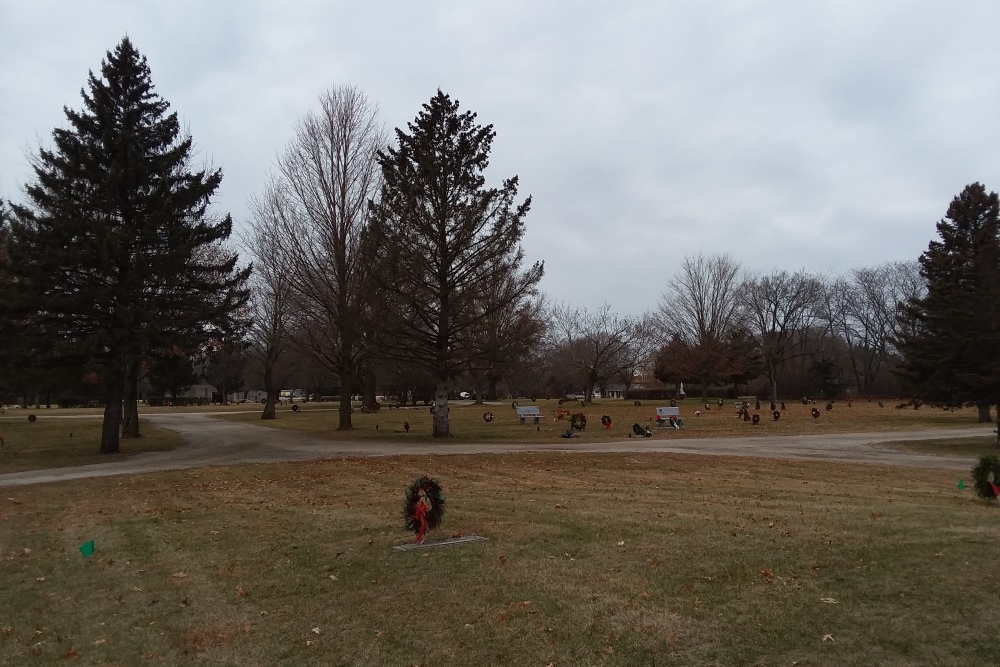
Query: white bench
[[529, 411], [663, 416]]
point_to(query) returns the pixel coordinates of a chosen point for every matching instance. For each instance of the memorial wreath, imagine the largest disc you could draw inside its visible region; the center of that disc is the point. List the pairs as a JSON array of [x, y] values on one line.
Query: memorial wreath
[[424, 507]]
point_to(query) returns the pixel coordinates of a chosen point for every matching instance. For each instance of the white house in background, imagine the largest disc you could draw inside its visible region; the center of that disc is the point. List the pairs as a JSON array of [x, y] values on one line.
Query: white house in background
[[201, 391], [614, 391]]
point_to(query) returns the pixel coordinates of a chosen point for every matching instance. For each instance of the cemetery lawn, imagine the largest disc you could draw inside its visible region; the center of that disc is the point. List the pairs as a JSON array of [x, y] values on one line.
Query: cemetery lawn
[[468, 425], [54, 443], [633, 559], [976, 447]]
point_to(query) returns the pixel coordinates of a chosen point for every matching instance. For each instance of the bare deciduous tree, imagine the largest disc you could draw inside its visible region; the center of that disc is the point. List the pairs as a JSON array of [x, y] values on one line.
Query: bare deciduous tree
[[594, 343], [701, 307], [326, 179], [270, 302], [781, 308]]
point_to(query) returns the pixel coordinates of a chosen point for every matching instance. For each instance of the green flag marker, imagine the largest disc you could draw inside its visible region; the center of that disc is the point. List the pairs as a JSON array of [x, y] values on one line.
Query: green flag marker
[[87, 549], [961, 485]]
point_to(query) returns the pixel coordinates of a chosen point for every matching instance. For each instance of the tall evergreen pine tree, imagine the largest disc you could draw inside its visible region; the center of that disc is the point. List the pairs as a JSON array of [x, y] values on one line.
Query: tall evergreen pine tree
[[115, 258], [950, 338], [443, 241]]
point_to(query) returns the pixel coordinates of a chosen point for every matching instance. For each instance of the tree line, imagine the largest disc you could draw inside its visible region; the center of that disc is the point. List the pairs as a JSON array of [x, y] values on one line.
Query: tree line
[[372, 261]]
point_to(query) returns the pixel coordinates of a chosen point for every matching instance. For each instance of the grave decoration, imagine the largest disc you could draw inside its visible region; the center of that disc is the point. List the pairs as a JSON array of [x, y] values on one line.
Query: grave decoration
[[606, 420], [424, 507], [782, 405], [776, 415], [697, 413], [773, 406], [987, 477], [514, 406], [641, 431], [487, 417], [637, 404], [707, 407], [756, 406], [756, 419], [829, 405], [406, 426], [815, 413], [32, 418], [578, 421], [295, 408]]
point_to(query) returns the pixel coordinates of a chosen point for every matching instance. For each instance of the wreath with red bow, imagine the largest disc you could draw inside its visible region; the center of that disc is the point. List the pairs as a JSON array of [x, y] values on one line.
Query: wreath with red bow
[[987, 476], [424, 507]]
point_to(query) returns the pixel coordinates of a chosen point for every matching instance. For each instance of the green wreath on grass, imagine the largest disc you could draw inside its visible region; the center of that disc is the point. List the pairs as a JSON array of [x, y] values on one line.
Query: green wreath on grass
[[987, 476], [424, 507]]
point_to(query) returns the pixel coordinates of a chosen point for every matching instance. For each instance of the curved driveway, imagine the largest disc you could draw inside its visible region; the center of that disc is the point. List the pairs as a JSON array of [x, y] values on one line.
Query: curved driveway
[[222, 442]]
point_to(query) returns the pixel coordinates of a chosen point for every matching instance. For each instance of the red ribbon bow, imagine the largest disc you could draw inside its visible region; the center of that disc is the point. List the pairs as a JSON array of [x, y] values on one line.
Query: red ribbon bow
[[420, 514]]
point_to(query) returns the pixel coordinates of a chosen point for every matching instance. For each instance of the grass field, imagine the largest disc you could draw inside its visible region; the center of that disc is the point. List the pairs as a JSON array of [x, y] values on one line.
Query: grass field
[[53, 443], [467, 422], [948, 446], [591, 560]]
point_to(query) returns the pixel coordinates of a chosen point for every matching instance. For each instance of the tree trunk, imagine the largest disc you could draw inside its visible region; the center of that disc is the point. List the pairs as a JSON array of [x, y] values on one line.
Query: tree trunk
[[269, 403], [112, 414], [984, 413], [491, 384], [344, 422], [441, 429], [130, 424]]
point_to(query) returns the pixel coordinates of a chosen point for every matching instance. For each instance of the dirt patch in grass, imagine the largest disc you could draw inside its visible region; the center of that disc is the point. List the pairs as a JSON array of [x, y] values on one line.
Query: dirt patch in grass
[[56, 443], [468, 425], [591, 560]]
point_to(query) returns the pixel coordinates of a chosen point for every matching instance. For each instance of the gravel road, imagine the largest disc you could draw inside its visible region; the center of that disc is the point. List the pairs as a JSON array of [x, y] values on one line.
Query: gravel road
[[221, 442]]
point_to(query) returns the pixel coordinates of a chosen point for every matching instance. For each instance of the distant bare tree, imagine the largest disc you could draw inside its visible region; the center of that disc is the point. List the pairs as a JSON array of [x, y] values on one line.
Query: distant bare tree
[[701, 307], [781, 308], [595, 343], [641, 348], [325, 181], [271, 296]]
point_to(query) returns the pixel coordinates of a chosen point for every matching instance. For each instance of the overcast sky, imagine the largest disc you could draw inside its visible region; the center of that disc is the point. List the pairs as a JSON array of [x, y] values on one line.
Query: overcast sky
[[791, 134]]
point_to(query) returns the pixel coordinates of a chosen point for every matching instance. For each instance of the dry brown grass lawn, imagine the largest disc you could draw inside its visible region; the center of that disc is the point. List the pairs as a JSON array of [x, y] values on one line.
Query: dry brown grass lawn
[[467, 424], [591, 560], [54, 443]]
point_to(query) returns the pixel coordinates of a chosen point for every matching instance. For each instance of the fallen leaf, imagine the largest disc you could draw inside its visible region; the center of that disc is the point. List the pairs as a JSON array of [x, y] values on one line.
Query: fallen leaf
[[315, 631], [828, 638], [26, 551], [767, 573], [828, 601], [136, 589], [39, 578], [609, 650], [179, 575], [309, 642], [621, 543], [71, 655], [334, 577], [99, 642], [560, 507], [242, 592], [263, 613], [502, 559]]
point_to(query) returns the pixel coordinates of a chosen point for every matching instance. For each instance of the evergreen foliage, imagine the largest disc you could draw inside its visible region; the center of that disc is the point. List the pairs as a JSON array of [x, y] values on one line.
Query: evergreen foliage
[[442, 241], [950, 338], [115, 256]]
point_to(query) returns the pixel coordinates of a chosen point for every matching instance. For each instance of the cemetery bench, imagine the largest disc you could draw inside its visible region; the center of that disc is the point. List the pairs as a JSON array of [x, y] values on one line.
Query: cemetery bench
[[529, 411], [663, 416]]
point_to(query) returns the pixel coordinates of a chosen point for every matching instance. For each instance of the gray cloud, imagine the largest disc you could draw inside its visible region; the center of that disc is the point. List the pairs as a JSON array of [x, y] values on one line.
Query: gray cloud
[[825, 135]]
